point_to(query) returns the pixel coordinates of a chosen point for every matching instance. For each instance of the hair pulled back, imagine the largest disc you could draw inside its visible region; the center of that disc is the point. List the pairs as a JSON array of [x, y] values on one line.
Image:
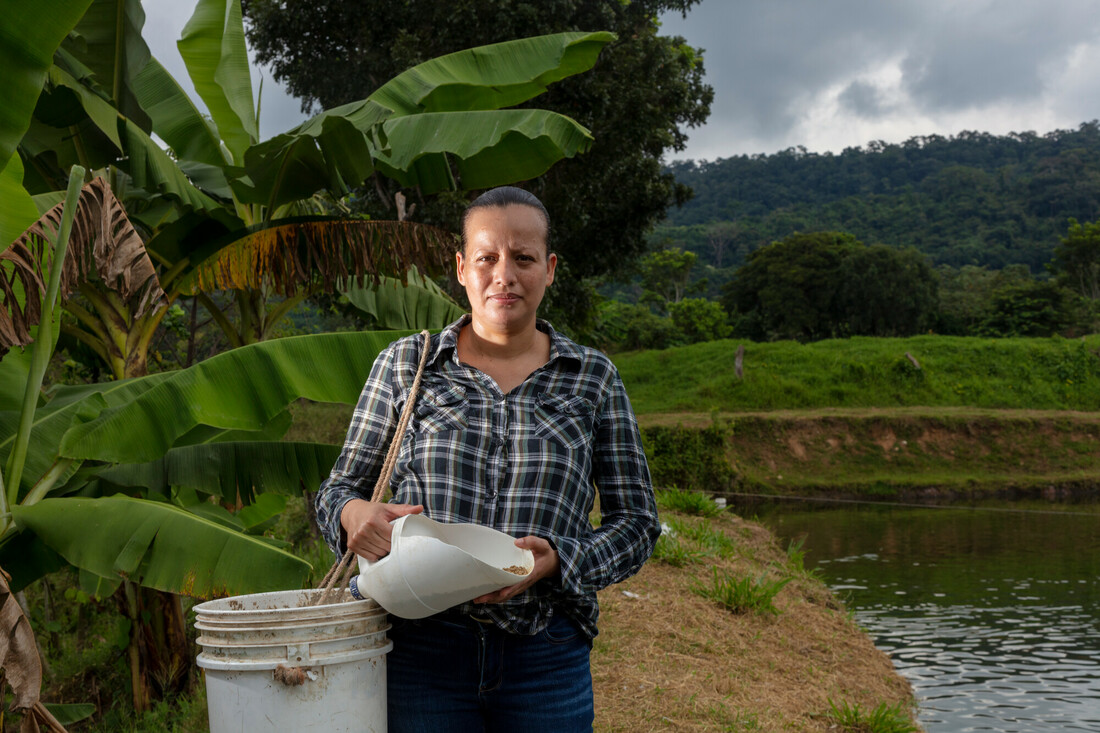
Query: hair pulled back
[[502, 196]]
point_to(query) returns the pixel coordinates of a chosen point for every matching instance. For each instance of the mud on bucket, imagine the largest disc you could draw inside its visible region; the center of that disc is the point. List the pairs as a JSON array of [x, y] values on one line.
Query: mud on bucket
[[273, 662], [433, 566]]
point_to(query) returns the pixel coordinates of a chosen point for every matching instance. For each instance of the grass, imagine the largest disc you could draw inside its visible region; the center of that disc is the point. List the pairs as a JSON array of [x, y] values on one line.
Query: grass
[[883, 718], [796, 559], [744, 595], [1020, 373], [687, 502]]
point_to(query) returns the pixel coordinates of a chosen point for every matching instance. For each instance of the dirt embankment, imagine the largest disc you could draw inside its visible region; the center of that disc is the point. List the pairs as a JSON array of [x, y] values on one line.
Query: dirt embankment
[[668, 659], [913, 453]]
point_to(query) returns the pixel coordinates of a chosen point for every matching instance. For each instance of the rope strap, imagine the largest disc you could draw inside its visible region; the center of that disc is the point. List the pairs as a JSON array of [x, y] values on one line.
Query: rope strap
[[343, 569]]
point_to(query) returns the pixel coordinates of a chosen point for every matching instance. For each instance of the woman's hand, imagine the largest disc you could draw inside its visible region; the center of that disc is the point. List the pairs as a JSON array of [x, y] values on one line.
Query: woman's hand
[[547, 565], [367, 525]]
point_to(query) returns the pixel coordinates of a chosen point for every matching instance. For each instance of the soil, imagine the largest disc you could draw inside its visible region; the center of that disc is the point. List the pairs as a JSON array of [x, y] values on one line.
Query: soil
[[910, 453], [669, 659]]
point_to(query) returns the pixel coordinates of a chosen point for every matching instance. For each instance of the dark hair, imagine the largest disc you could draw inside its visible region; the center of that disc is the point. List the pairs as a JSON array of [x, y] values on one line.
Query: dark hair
[[502, 196]]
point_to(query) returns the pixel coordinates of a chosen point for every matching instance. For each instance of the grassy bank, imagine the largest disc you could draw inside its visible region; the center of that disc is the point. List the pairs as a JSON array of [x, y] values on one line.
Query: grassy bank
[[1042, 374], [724, 630]]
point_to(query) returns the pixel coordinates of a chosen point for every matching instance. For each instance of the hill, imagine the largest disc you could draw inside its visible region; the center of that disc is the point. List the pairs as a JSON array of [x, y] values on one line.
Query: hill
[[970, 199]]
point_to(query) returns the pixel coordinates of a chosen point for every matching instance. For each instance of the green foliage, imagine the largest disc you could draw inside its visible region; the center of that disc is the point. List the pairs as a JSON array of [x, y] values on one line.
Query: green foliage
[[698, 320], [971, 199], [813, 286], [883, 718], [625, 327], [687, 502], [688, 457], [709, 540], [1029, 309], [1077, 259], [743, 595], [672, 551], [666, 277], [638, 101], [1026, 373], [796, 559]]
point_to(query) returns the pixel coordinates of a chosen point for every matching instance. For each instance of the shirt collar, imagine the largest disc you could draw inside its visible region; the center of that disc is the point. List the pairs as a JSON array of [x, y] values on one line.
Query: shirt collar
[[560, 346]]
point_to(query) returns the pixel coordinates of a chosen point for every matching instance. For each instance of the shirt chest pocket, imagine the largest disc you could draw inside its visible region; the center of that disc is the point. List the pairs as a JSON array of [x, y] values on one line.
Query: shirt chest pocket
[[564, 419], [441, 407]]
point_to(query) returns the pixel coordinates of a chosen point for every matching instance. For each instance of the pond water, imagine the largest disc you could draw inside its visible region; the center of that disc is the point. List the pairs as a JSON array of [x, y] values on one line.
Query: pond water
[[992, 612]]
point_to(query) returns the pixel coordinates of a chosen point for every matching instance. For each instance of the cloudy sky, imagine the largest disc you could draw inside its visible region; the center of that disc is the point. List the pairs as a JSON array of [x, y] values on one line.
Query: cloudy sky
[[830, 74]]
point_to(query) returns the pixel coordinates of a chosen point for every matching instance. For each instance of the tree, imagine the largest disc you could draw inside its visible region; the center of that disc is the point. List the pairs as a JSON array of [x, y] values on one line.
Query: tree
[[699, 319], [1077, 259], [638, 99], [788, 289], [828, 284], [666, 277], [1030, 308], [966, 295], [886, 291]]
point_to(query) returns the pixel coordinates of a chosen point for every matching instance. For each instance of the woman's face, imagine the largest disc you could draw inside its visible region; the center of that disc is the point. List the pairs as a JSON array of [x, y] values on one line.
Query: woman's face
[[504, 266]]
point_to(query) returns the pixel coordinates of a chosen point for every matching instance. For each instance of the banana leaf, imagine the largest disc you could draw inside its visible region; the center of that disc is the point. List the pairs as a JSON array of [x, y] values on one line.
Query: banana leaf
[[491, 77], [68, 406], [231, 470], [27, 558], [160, 546], [70, 713], [419, 304], [175, 117], [242, 389], [486, 148], [464, 92], [17, 209], [29, 35], [214, 51], [108, 41]]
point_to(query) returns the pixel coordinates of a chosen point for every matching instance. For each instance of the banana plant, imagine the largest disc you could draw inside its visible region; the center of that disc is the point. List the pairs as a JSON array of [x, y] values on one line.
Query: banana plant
[[439, 125], [114, 479]]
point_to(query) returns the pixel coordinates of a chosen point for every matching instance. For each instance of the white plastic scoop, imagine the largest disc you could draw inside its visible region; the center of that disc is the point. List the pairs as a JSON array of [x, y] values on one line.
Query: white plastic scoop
[[433, 566]]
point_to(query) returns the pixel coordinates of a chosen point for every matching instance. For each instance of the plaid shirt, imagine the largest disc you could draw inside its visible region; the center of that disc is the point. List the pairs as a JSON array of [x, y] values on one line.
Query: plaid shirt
[[530, 462]]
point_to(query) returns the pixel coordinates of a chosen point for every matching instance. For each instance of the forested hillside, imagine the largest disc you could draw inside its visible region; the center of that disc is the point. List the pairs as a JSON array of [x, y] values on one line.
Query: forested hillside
[[970, 199]]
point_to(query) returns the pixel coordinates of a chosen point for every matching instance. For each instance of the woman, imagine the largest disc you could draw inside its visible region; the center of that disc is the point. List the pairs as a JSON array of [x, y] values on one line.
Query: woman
[[518, 428]]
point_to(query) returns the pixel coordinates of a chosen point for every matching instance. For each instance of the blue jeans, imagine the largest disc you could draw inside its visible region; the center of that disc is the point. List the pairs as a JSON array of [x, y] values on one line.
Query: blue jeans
[[458, 674]]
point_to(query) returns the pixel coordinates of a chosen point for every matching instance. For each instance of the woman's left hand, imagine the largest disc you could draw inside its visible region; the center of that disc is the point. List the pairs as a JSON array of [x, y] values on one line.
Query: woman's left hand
[[547, 565]]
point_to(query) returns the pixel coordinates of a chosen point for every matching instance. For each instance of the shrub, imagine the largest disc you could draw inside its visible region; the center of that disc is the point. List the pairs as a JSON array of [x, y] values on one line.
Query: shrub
[[690, 457]]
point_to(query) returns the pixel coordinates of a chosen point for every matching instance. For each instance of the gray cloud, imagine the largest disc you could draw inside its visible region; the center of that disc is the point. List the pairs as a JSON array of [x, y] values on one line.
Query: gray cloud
[[981, 53], [863, 99], [777, 65]]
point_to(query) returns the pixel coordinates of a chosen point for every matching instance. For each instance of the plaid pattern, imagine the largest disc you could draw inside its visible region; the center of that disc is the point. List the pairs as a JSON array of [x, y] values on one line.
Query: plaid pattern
[[527, 463]]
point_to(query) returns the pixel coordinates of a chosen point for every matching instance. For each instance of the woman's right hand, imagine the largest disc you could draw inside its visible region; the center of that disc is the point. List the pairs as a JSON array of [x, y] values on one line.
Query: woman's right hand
[[367, 525]]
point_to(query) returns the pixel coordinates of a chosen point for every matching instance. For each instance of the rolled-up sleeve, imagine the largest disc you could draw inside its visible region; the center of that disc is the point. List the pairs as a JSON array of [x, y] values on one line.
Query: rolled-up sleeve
[[629, 526], [357, 469]]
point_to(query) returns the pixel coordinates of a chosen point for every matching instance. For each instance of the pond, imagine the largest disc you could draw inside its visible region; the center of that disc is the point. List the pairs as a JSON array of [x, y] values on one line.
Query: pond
[[991, 612]]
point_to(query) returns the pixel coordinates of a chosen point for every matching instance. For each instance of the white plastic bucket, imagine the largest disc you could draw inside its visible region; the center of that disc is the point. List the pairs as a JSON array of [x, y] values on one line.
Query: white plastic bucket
[[273, 662], [433, 566]]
